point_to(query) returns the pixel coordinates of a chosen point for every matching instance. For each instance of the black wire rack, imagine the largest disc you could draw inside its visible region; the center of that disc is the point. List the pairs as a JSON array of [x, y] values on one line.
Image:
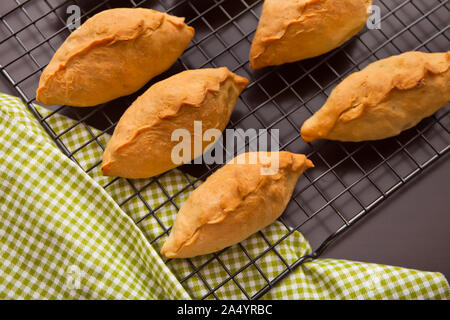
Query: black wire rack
[[349, 179]]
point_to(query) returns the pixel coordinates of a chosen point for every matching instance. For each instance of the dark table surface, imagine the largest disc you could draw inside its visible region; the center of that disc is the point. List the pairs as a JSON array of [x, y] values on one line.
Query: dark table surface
[[409, 229]]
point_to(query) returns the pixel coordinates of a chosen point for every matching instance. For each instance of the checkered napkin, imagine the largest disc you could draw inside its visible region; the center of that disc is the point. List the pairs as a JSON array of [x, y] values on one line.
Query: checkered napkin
[[63, 234]]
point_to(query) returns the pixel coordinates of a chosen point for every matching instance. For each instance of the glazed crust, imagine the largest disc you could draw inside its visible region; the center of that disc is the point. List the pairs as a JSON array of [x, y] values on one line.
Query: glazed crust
[[292, 30], [233, 203], [112, 54], [141, 144], [382, 100]]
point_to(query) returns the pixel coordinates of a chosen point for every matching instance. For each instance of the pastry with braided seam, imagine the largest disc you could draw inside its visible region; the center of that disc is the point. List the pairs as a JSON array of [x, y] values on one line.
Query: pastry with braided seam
[[112, 54], [234, 202], [384, 99]]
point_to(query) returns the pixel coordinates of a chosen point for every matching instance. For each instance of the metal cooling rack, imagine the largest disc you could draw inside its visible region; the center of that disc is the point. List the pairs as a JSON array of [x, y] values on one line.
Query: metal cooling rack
[[349, 179]]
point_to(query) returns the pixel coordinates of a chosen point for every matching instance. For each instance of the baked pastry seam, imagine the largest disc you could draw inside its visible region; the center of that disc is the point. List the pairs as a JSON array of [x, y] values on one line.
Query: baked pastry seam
[[168, 113], [111, 55], [302, 7], [142, 145], [292, 30], [372, 88], [233, 203]]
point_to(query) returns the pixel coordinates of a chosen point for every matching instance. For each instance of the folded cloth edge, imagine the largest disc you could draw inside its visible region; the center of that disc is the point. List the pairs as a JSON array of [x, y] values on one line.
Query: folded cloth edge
[[47, 140]]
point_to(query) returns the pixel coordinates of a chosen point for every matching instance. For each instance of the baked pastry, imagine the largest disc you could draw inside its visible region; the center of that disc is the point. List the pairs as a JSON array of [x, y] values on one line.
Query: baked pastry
[[292, 30], [234, 202], [382, 100], [112, 54], [141, 144]]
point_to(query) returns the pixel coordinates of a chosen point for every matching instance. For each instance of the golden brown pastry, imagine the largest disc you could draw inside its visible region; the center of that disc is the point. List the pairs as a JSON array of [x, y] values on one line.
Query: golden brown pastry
[[382, 100], [141, 145], [292, 30], [112, 54], [234, 202]]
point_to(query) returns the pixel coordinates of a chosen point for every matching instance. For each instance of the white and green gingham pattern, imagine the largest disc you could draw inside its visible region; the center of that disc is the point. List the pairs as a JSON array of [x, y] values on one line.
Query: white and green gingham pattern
[[55, 216], [62, 236]]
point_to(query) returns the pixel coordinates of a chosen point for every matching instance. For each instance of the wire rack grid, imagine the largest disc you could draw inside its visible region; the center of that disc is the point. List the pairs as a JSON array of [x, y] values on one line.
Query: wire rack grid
[[349, 179]]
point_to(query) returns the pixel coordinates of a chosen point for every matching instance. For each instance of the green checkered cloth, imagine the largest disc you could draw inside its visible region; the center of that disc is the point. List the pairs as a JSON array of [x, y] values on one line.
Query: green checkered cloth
[[63, 234]]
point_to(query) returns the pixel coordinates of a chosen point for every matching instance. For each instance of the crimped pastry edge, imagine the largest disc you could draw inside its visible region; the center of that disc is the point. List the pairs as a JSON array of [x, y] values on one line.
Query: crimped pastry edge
[[239, 80], [283, 32], [298, 20], [399, 85], [306, 164], [183, 104], [177, 21]]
